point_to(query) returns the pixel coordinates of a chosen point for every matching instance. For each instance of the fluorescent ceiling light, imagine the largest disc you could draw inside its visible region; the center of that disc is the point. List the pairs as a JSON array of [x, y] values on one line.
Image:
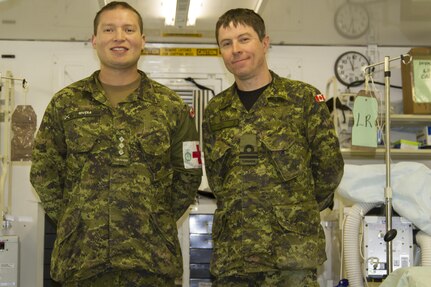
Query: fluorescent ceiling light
[[194, 10], [175, 13], [169, 9]]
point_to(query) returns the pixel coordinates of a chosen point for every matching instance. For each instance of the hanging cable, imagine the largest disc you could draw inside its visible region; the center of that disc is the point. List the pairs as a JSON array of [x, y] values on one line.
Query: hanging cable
[[202, 87]]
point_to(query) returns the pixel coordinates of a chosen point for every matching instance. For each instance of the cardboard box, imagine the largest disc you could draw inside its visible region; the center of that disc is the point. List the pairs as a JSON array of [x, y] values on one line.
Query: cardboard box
[[424, 136], [408, 78]]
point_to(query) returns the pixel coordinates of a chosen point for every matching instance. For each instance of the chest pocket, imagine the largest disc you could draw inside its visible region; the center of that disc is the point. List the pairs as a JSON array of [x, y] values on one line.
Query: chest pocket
[[82, 131], [154, 150], [217, 160], [285, 156]]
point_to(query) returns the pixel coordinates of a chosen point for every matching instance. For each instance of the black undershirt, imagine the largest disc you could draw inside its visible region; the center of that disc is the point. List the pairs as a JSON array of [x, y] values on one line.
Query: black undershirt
[[248, 98]]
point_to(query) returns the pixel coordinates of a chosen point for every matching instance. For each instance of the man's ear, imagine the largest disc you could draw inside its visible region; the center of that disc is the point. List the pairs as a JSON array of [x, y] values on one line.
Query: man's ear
[[265, 42], [143, 41], [93, 41]]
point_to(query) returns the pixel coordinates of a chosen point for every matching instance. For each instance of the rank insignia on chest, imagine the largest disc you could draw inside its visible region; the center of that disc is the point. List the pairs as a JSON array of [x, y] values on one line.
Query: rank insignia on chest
[[248, 150]]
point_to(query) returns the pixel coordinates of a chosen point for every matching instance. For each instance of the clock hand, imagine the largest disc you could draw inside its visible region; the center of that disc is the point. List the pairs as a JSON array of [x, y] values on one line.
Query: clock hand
[[352, 25], [351, 63]]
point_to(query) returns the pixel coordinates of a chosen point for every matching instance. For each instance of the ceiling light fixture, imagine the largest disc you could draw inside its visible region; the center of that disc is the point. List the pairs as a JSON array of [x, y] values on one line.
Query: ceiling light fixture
[[181, 13], [195, 8], [169, 8]]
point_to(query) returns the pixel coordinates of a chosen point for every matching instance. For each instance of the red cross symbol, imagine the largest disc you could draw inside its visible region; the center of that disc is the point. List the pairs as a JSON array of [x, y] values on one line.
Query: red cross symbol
[[197, 154]]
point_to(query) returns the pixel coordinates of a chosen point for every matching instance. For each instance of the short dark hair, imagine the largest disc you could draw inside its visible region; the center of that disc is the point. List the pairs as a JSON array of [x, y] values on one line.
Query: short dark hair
[[242, 16], [113, 5]]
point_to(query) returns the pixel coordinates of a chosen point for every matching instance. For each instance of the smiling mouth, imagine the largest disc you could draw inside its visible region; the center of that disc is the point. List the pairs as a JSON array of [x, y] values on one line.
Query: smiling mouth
[[236, 62], [120, 49]]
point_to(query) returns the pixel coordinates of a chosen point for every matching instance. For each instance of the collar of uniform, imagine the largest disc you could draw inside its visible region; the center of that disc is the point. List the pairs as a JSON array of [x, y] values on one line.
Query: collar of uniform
[[93, 88], [145, 91], [228, 97], [273, 91]]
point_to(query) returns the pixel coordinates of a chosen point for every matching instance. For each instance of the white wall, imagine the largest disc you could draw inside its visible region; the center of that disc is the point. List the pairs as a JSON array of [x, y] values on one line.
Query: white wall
[[48, 66]]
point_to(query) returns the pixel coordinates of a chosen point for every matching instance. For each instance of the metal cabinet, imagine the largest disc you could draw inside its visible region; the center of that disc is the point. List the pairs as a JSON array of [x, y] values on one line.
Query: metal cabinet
[[201, 245]]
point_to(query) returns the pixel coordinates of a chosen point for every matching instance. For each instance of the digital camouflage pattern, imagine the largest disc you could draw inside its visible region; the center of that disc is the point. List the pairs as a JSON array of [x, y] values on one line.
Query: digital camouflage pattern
[[283, 278], [113, 179], [125, 278], [272, 169]]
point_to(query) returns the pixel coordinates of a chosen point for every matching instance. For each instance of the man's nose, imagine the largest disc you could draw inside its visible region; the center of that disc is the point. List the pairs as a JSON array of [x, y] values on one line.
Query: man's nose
[[119, 35]]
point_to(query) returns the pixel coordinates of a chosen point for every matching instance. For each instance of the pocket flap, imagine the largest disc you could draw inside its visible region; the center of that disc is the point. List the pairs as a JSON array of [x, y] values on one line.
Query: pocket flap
[[301, 219], [219, 150]]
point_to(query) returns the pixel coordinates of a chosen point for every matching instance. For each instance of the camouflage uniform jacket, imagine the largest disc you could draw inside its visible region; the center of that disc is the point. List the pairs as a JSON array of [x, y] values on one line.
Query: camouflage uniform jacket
[[271, 169], [115, 180]]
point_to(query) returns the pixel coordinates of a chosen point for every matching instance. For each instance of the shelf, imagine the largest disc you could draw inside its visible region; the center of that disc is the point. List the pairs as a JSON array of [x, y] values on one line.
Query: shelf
[[380, 153], [410, 122], [410, 119], [403, 119]]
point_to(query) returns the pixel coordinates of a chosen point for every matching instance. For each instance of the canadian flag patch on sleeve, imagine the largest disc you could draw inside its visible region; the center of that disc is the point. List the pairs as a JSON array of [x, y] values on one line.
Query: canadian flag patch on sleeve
[[320, 98], [192, 155]]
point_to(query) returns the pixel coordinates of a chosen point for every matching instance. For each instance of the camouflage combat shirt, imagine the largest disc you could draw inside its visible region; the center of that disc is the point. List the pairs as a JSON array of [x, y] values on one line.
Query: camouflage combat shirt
[[272, 169], [115, 180]]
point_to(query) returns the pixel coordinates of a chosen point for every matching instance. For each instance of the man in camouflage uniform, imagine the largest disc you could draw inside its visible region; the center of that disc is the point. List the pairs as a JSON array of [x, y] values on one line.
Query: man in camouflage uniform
[[273, 162], [116, 163]]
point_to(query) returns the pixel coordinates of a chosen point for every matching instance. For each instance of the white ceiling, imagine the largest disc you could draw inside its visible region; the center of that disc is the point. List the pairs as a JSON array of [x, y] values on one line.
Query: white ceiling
[[289, 22]]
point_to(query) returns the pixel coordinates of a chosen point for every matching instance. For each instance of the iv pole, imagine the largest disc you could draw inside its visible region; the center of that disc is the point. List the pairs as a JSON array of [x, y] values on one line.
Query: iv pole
[[390, 233], [5, 160]]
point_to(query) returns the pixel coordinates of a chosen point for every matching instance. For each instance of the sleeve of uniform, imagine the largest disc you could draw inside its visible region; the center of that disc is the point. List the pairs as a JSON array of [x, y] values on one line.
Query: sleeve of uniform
[[186, 162], [48, 163], [214, 179], [327, 162]]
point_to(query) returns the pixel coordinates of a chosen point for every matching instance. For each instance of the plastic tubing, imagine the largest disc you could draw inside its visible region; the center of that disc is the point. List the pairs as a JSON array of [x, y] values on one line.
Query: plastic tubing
[[424, 242], [352, 258]]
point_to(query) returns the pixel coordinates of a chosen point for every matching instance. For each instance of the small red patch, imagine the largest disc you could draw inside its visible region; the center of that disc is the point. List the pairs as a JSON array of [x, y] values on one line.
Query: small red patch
[[192, 113], [320, 98]]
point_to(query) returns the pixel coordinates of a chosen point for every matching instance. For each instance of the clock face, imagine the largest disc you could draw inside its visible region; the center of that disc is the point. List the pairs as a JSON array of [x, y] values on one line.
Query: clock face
[[349, 68], [351, 20]]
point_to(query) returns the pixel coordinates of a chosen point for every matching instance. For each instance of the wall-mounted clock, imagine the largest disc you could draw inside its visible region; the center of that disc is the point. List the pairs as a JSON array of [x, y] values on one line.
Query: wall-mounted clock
[[351, 20], [348, 68]]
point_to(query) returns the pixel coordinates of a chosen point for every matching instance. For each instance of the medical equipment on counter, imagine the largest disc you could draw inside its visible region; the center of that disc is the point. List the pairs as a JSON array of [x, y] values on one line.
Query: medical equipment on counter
[[374, 241], [410, 182], [362, 184], [9, 259]]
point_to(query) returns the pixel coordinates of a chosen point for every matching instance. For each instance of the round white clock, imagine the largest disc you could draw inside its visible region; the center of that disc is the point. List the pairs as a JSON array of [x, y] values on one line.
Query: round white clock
[[351, 20], [348, 68]]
